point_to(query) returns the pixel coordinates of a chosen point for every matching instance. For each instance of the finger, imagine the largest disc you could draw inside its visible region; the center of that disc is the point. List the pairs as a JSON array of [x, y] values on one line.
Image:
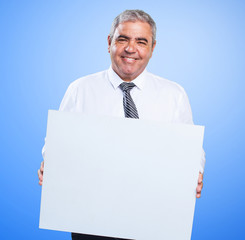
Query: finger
[[42, 166], [40, 183], [40, 174], [199, 187], [198, 195], [200, 178]]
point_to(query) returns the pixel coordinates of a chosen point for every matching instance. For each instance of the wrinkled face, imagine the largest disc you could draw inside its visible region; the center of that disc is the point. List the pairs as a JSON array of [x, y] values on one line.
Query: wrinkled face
[[131, 49]]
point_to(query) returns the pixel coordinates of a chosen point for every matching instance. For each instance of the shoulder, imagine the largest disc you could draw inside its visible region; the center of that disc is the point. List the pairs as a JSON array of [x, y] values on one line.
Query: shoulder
[[163, 84], [81, 89], [89, 80]]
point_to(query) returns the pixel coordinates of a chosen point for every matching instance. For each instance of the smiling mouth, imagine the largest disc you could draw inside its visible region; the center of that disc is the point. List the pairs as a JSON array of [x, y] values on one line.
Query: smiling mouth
[[129, 59]]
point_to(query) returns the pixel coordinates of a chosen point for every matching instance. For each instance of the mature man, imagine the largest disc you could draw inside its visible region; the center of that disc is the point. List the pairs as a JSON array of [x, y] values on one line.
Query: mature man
[[126, 89]]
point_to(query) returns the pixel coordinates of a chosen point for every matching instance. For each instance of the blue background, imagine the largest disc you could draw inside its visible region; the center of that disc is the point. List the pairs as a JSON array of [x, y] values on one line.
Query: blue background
[[45, 45]]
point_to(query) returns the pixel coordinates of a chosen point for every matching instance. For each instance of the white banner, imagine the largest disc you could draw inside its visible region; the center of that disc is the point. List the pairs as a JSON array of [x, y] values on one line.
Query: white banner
[[116, 177]]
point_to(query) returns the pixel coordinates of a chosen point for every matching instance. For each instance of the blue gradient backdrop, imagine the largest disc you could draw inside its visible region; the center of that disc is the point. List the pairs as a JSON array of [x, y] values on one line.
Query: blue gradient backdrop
[[45, 45]]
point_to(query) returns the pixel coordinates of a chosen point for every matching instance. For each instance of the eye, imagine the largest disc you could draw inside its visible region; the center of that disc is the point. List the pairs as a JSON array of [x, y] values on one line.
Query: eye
[[121, 39], [142, 43]]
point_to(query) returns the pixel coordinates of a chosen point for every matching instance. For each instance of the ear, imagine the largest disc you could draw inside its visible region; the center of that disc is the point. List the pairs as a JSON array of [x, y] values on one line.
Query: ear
[[109, 43], [154, 44], [153, 47]]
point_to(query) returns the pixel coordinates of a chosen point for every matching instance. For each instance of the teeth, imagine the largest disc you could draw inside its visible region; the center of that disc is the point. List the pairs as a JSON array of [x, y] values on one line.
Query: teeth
[[130, 58]]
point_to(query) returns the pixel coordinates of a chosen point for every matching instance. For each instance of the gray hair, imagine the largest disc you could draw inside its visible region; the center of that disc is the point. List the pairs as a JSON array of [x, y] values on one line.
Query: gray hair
[[133, 16]]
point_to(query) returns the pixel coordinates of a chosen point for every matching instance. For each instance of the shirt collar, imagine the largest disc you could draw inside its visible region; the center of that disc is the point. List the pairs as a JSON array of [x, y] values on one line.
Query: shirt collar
[[116, 80]]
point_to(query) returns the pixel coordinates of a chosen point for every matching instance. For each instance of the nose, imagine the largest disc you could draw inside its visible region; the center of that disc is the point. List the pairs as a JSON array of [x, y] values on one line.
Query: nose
[[131, 47]]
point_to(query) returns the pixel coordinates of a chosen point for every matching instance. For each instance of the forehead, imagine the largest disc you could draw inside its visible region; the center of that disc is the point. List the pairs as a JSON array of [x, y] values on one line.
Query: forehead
[[134, 29]]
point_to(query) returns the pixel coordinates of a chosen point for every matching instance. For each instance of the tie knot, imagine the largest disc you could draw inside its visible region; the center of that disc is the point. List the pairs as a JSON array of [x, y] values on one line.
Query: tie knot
[[126, 87]]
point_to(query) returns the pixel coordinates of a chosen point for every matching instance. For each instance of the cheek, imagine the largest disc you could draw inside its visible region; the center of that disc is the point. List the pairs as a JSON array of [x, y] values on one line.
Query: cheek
[[114, 51], [147, 56], [143, 53]]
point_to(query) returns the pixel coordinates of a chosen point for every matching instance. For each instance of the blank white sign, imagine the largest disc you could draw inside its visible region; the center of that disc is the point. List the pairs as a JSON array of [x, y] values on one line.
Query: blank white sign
[[124, 178]]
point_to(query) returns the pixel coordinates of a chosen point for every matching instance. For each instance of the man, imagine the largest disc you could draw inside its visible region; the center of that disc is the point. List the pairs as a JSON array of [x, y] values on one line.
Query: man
[[127, 89]]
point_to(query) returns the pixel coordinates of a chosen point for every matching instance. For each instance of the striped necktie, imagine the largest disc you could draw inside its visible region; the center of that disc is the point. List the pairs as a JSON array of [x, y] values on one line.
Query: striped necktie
[[130, 109]]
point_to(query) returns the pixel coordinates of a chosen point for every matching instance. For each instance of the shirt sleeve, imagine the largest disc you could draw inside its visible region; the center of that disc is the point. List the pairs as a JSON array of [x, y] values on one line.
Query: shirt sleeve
[[183, 112], [184, 115], [67, 104]]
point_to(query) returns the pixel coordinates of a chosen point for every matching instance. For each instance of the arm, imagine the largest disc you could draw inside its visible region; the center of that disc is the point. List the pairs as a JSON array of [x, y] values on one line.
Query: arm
[[184, 115], [67, 104]]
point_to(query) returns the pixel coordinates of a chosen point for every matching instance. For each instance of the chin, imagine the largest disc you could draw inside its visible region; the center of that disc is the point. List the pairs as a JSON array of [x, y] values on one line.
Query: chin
[[129, 71]]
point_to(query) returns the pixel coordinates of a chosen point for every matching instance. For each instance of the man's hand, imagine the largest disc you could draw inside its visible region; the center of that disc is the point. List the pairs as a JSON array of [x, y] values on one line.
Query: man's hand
[[40, 173], [200, 185]]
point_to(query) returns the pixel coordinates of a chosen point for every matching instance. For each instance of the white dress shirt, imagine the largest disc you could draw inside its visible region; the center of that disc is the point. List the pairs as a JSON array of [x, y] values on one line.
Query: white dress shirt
[[156, 98]]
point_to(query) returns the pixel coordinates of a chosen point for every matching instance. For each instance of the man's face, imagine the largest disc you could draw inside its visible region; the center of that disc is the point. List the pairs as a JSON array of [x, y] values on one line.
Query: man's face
[[131, 49]]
